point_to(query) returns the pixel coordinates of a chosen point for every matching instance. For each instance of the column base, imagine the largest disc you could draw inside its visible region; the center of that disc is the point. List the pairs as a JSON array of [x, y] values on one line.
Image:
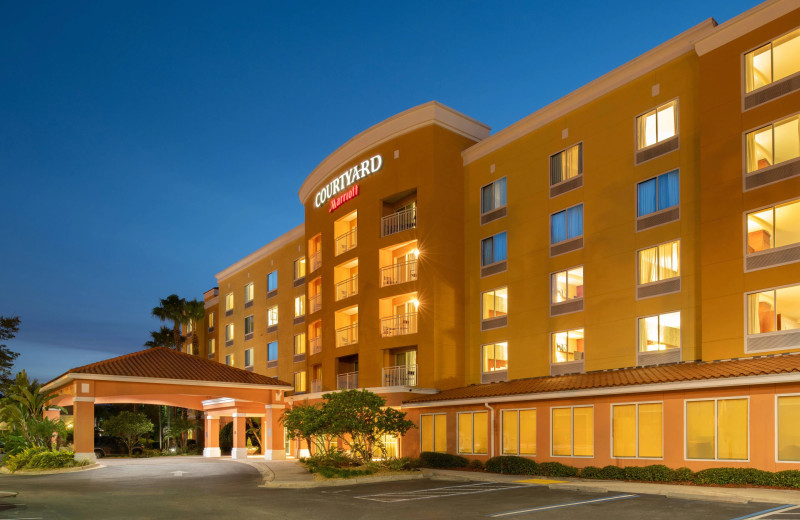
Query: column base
[[239, 453], [90, 457], [212, 452], [303, 453], [274, 455]]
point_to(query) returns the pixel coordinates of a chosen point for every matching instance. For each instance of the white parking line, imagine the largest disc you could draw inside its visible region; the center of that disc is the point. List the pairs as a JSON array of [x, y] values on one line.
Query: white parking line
[[447, 491], [768, 513], [556, 506]]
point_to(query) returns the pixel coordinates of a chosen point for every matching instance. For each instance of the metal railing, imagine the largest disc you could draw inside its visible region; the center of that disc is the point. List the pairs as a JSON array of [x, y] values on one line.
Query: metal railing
[[346, 242], [399, 273], [315, 303], [401, 375], [316, 386], [315, 344], [315, 260], [347, 381], [347, 335], [347, 288], [399, 325], [399, 221]]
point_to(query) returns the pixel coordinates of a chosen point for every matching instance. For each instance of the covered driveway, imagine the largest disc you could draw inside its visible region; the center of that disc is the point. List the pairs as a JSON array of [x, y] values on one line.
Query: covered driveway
[[163, 376]]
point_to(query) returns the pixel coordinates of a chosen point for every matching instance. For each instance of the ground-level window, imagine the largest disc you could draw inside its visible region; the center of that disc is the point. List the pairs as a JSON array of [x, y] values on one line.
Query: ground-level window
[[638, 430], [389, 443], [473, 433], [519, 432], [788, 432], [572, 433], [433, 432], [724, 438]]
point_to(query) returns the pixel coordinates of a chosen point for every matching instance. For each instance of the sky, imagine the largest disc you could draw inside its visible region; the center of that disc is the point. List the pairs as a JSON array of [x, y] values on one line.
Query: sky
[[146, 146]]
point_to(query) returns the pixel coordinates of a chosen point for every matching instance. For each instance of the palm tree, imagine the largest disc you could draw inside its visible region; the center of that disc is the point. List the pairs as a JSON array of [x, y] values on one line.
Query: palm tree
[[173, 308], [23, 409], [195, 311], [161, 338]]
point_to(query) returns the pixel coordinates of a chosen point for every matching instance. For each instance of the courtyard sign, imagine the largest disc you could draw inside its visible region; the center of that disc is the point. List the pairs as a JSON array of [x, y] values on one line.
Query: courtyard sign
[[345, 180]]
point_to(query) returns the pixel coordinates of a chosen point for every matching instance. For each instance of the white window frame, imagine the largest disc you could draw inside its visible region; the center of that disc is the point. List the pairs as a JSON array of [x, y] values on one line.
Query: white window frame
[[502, 426], [552, 347], [571, 431], [252, 362], [276, 350], [212, 346], [232, 334], [251, 291], [294, 267], [656, 246], [611, 435], [491, 184], [677, 125], [566, 270], [772, 81], [305, 343], [716, 428], [269, 318], [252, 319], [773, 249], [746, 320], [776, 428], [229, 359], [233, 301], [494, 291], [433, 421], [472, 432], [563, 150], [494, 262], [638, 324], [566, 224]]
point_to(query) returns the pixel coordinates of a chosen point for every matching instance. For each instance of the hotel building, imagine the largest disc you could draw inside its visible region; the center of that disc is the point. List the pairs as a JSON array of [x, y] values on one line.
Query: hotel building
[[613, 279]]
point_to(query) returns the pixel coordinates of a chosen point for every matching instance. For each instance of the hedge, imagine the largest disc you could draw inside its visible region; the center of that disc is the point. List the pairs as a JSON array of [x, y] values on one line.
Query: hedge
[[511, 465], [41, 459], [430, 459]]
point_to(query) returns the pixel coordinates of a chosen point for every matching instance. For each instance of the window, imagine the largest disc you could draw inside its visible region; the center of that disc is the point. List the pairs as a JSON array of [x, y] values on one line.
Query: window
[[772, 62], [229, 332], [248, 293], [229, 302], [299, 268], [299, 306], [210, 320], [572, 433], [189, 327], [725, 438], [493, 249], [272, 316], [657, 125], [495, 357], [473, 432], [566, 164], [657, 194], [212, 346], [229, 360], [248, 358], [495, 303], [788, 410], [774, 310], [777, 226], [660, 262], [493, 196], [189, 349], [272, 351], [566, 224], [300, 344], [248, 325], [518, 432], [300, 381], [662, 332], [773, 144], [272, 281], [638, 430], [567, 285], [433, 432], [568, 346]]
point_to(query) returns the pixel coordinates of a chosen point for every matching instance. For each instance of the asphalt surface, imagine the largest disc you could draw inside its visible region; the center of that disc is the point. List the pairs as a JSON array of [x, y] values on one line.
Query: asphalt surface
[[195, 488]]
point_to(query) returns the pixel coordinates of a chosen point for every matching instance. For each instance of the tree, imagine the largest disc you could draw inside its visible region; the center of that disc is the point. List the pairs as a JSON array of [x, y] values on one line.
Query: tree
[[178, 427], [173, 308], [23, 411], [128, 426], [195, 311], [161, 338], [303, 422], [8, 330]]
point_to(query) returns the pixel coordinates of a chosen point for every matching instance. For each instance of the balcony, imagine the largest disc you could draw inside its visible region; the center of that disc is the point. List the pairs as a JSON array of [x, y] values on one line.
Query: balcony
[[316, 386], [402, 375], [399, 273], [347, 335], [315, 261], [315, 344], [346, 242], [347, 288], [400, 221], [399, 325], [315, 303], [347, 381]]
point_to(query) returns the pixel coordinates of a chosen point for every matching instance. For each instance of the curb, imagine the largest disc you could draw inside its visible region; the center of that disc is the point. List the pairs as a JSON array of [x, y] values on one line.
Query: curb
[[22, 472]]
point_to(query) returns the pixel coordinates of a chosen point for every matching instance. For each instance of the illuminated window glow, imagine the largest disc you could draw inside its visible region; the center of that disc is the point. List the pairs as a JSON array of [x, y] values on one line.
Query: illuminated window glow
[[493, 196], [272, 316], [473, 433], [660, 262], [572, 431], [433, 432], [773, 61], [568, 346], [724, 439], [495, 357], [495, 303], [662, 332], [773, 144], [518, 432], [566, 164], [774, 310], [638, 430], [657, 125], [567, 285]]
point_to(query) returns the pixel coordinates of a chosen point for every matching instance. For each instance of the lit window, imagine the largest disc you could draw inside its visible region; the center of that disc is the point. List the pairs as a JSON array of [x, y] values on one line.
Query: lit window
[[473, 433], [433, 432], [657, 125], [300, 381], [300, 344], [272, 281], [566, 224], [189, 348], [272, 316], [493, 249], [228, 302], [725, 438], [774, 310], [189, 327], [299, 268], [229, 332], [248, 358], [773, 61], [638, 430], [788, 432], [567, 285], [777, 226], [248, 325], [566, 164], [248, 293], [519, 432], [493, 196], [495, 303], [272, 351], [229, 360], [210, 320], [299, 306], [661, 262], [662, 332], [568, 346], [212, 346], [657, 194], [572, 433], [495, 357], [773, 144]]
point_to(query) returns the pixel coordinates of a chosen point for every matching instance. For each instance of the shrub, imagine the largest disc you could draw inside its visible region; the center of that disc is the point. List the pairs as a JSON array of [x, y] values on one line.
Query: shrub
[[590, 472], [21, 459], [42, 459], [612, 473], [789, 478], [684, 475], [556, 469], [226, 438], [653, 473], [332, 460], [511, 465], [344, 472], [475, 464], [401, 464], [736, 476], [430, 459]]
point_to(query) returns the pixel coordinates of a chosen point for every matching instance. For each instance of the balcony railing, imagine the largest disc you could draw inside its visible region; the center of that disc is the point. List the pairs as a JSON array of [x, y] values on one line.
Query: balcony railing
[[347, 288], [399, 325], [399, 273], [347, 335], [399, 221], [347, 381], [316, 386], [346, 242], [315, 303], [315, 260], [402, 375], [315, 344]]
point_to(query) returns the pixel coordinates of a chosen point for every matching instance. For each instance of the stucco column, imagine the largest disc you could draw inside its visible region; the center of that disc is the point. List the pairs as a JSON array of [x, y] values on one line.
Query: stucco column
[[272, 433], [83, 428], [239, 450], [211, 448]]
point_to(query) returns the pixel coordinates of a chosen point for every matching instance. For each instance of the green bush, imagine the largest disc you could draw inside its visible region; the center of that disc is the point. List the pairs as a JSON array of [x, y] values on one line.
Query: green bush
[[556, 469], [332, 460], [789, 478], [401, 464], [612, 473], [41, 459], [475, 464], [430, 459], [226, 438], [736, 476], [591, 472], [511, 465], [653, 473], [344, 472], [684, 475]]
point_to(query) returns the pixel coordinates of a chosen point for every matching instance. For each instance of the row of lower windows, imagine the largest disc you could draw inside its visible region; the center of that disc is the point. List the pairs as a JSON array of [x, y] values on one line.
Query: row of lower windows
[[715, 429]]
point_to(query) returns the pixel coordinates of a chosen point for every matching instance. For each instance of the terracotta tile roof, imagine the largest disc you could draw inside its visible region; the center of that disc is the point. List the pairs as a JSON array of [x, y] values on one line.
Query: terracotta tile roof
[[674, 373], [164, 363]]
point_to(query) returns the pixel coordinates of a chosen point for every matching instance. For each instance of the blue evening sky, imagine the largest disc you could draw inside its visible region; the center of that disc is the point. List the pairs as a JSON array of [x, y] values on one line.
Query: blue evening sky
[[146, 146]]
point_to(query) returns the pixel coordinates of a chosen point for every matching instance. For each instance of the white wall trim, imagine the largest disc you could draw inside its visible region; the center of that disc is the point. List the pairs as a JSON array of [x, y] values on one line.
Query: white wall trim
[[242, 414], [221, 400], [80, 399], [294, 234], [744, 23], [374, 389], [71, 376]]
